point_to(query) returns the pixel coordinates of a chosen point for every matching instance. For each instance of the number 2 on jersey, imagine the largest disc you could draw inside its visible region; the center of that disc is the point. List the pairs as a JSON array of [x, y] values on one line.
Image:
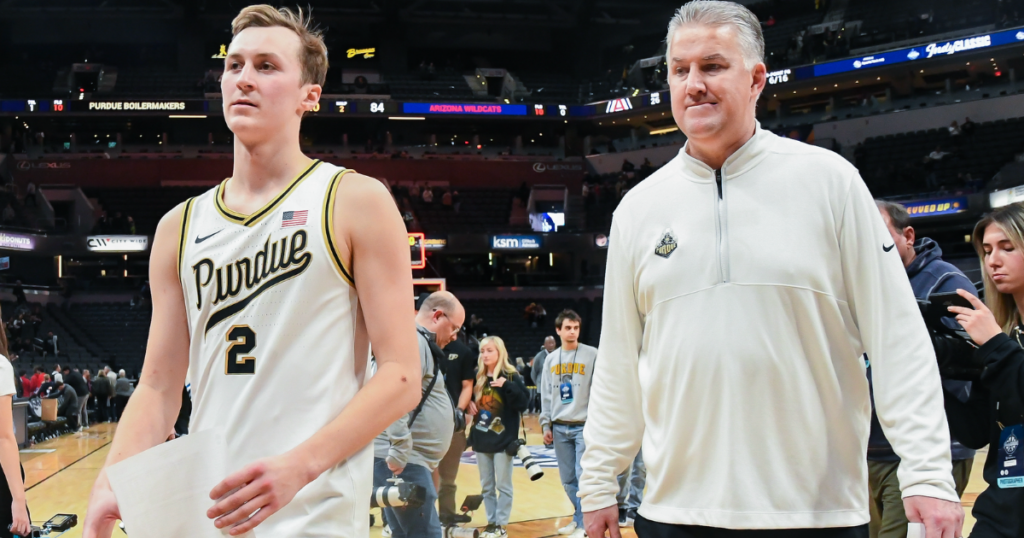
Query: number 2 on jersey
[[243, 340]]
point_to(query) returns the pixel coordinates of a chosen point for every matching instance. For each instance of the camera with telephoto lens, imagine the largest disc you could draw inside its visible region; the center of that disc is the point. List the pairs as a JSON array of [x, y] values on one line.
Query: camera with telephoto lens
[[399, 495], [518, 448]]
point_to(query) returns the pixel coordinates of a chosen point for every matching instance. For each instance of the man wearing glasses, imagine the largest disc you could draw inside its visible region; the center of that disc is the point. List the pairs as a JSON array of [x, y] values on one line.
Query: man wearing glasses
[[413, 451]]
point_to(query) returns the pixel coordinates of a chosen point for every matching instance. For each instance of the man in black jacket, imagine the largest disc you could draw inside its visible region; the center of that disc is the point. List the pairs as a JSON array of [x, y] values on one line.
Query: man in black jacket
[[74, 379], [102, 391]]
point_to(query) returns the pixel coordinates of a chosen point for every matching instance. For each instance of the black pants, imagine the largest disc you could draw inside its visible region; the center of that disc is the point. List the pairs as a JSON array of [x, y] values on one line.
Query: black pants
[[646, 528], [6, 518], [101, 407], [120, 402]]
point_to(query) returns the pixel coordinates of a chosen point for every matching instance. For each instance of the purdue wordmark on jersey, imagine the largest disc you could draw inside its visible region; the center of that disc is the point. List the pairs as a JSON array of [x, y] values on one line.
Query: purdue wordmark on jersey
[[273, 352]]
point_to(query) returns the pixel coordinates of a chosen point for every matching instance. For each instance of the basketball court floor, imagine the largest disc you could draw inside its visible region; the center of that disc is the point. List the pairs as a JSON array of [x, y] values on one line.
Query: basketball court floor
[[59, 474]]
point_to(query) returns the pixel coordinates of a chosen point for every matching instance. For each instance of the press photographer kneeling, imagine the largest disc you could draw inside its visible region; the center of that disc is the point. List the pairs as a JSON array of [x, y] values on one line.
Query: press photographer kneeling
[[994, 413]]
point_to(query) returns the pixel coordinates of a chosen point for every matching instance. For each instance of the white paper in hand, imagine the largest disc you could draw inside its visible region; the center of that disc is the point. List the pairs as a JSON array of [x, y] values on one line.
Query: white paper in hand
[[915, 530], [164, 492]]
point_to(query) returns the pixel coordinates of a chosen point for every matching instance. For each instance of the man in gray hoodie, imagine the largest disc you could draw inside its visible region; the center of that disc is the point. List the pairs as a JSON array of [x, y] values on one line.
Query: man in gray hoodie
[[413, 452], [565, 394]]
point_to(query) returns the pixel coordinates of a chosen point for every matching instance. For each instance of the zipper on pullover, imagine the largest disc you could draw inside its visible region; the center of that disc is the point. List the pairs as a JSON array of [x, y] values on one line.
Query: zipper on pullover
[[721, 227]]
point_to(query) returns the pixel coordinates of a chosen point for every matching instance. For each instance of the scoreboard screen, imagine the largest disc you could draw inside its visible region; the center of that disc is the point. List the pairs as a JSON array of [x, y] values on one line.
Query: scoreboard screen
[[32, 105], [417, 250]]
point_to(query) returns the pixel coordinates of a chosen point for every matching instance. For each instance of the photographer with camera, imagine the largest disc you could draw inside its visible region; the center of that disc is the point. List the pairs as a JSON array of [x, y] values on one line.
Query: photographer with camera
[[500, 397], [994, 413], [928, 275], [412, 447]]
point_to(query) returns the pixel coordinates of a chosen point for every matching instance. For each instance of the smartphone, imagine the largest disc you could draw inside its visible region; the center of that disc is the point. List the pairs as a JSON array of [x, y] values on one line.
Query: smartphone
[[946, 300]]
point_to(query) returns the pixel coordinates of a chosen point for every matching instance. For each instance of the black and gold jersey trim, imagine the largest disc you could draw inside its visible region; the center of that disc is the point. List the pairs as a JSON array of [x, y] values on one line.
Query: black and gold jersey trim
[[255, 218], [328, 224], [183, 233]]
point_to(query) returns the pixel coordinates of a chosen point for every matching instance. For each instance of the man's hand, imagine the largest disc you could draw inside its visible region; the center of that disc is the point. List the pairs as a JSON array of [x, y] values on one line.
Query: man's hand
[[548, 439], [942, 519], [103, 512], [472, 410], [605, 519], [394, 467], [266, 485]]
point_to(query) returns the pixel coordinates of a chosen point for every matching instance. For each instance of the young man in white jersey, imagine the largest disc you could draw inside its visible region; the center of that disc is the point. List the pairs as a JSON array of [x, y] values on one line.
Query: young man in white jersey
[[568, 373], [254, 291]]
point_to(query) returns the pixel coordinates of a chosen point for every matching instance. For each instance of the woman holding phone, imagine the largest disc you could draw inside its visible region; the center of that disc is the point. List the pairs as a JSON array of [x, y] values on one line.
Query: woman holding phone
[[994, 413], [14, 521]]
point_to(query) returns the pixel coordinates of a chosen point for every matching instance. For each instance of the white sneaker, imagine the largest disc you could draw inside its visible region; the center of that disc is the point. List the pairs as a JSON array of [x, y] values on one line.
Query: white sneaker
[[386, 532], [578, 533], [568, 529]]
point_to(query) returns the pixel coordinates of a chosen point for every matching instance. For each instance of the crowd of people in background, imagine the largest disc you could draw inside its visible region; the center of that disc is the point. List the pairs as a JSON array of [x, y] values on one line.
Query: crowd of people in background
[[931, 172], [15, 210], [77, 392], [493, 393]]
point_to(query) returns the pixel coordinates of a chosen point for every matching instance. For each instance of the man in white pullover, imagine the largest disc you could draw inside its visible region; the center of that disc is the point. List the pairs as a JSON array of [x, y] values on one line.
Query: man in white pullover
[[568, 373], [745, 280]]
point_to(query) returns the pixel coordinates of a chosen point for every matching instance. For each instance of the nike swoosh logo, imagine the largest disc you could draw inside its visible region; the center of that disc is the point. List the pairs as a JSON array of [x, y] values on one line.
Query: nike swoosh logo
[[888, 248], [201, 239]]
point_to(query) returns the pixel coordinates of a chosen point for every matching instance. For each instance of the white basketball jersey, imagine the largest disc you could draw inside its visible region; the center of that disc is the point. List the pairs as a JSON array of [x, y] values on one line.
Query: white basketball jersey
[[274, 355]]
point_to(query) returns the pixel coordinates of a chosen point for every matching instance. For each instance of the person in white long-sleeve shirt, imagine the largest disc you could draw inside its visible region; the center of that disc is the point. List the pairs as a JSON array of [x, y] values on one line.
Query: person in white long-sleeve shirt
[[745, 280]]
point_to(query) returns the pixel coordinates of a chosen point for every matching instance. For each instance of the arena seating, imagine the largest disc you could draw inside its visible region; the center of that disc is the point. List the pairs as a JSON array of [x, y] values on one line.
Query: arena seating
[[481, 210], [119, 329], [892, 165], [70, 346], [505, 318], [777, 37], [146, 205], [885, 21], [441, 85], [158, 83], [550, 88]]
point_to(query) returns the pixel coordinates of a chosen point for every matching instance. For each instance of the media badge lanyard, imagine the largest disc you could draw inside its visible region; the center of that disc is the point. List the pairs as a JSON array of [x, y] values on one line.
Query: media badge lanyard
[[565, 387], [1010, 461]]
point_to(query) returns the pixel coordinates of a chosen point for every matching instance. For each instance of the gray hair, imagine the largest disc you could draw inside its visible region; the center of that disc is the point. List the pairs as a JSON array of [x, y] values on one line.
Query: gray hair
[[898, 214], [719, 13]]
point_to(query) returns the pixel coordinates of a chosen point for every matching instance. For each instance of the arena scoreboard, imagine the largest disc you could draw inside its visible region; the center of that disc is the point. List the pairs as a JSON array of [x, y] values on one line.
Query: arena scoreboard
[[418, 250], [335, 107]]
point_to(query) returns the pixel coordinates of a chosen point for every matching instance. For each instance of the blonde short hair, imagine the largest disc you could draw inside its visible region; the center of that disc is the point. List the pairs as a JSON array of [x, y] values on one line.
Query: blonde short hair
[[313, 54]]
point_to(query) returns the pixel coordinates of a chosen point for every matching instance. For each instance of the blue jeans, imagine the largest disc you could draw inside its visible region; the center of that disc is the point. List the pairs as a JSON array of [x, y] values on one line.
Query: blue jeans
[[416, 522], [569, 448], [496, 477]]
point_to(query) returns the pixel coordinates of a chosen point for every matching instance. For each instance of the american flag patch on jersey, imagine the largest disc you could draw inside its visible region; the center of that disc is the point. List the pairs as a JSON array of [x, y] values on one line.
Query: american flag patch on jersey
[[293, 218]]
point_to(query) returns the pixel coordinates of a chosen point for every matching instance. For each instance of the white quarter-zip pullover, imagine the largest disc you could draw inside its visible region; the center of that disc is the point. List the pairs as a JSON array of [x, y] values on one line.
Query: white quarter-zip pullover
[[738, 304]]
